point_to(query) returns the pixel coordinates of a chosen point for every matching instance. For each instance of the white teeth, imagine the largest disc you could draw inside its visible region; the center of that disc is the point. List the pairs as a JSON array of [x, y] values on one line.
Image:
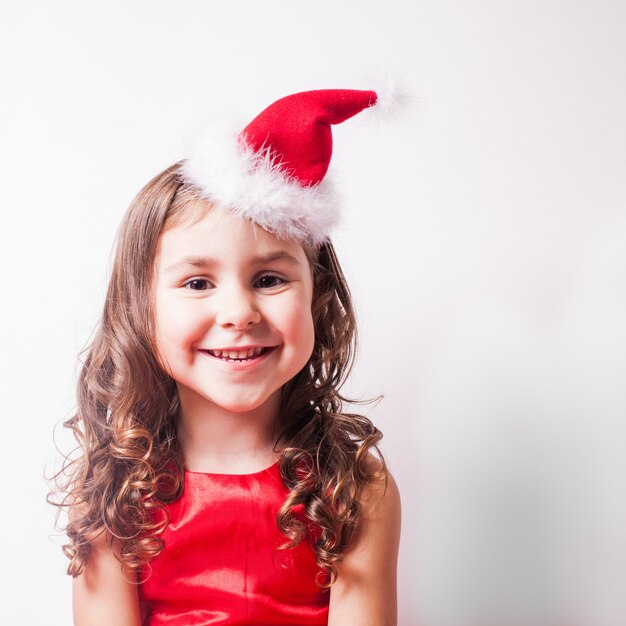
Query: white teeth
[[240, 354]]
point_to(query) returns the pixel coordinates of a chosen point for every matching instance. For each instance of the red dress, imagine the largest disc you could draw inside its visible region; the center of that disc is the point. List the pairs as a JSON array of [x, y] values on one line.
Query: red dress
[[218, 566]]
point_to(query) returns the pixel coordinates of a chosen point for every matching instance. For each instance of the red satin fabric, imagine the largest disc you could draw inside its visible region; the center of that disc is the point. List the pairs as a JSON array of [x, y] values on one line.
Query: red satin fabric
[[218, 565]]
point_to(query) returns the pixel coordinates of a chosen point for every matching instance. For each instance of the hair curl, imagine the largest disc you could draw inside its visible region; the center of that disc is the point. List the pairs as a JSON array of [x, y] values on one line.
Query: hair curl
[[131, 466]]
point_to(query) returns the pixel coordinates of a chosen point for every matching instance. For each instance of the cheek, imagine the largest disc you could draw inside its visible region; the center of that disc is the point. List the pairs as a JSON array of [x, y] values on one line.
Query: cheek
[[176, 325], [165, 338], [298, 327]]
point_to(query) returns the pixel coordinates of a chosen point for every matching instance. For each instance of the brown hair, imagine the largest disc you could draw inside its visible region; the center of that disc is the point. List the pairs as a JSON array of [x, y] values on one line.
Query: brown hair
[[130, 466]]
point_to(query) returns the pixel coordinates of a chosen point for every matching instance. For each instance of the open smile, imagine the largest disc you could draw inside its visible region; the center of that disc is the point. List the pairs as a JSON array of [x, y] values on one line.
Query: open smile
[[240, 359]]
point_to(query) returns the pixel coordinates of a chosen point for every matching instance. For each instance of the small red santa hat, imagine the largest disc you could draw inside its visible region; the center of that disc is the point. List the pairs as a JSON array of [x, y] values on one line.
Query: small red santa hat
[[273, 171]]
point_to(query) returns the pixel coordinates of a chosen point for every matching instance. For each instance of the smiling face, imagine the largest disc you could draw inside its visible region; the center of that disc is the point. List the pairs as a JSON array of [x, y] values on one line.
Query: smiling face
[[232, 308]]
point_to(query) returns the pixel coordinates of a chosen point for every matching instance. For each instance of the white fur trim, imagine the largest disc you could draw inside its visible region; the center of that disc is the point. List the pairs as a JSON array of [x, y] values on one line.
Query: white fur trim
[[251, 184]]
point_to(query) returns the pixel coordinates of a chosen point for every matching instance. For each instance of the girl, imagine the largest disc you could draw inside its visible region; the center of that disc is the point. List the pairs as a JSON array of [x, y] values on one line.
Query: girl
[[220, 481]]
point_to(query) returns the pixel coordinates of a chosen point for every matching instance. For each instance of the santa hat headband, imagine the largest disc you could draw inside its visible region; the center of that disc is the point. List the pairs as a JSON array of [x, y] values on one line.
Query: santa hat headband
[[273, 171]]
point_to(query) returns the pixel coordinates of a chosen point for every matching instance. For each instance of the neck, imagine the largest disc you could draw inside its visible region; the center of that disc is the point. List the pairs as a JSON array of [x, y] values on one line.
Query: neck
[[214, 439]]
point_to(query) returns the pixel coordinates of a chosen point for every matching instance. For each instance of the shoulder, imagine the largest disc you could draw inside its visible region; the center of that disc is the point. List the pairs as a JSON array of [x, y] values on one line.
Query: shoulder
[[366, 589], [102, 594], [382, 491], [382, 507]]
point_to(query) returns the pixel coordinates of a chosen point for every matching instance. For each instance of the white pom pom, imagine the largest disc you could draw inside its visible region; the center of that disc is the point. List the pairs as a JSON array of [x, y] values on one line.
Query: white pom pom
[[394, 100]]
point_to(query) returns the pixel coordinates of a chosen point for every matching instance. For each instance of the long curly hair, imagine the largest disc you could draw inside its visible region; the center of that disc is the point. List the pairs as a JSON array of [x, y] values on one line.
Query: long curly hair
[[130, 464]]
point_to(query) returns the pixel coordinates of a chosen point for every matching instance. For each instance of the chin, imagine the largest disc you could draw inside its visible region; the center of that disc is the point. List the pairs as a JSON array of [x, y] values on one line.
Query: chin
[[239, 406]]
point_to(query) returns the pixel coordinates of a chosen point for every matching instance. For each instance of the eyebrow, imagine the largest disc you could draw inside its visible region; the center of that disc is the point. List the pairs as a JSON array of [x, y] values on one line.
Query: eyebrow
[[205, 261]]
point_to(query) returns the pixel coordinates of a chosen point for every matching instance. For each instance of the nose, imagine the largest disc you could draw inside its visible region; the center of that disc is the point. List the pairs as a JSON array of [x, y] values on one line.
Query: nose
[[237, 309]]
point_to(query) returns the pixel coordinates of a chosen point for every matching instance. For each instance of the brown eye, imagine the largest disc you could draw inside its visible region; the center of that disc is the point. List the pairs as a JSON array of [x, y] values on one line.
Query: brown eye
[[270, 280], [195, 282]]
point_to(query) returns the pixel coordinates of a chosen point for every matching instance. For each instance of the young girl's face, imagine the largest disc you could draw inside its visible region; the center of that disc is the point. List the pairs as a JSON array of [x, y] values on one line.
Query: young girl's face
[[225, 284]]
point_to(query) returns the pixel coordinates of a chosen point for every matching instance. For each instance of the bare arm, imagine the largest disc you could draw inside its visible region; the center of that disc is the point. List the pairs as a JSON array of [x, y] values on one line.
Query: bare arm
[[366, 591], [101, 596]]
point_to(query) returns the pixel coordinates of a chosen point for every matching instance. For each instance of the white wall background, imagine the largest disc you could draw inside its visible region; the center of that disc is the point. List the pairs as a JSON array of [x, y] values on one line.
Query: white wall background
[[484, 243]]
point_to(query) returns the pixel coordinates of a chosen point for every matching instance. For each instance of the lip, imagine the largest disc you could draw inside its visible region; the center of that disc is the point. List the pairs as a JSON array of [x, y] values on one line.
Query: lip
[[238, 348], [241, 365]]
